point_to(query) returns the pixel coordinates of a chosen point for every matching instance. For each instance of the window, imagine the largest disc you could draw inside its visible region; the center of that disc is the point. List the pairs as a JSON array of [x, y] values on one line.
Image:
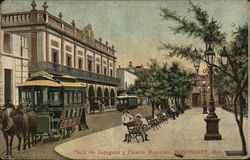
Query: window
[[97, 68], [79, 96], [105, 70], [66, 99], [54, 98], [7, 43], [68, 60], [55, 57], [111, 72], [70, 97], [89, 65], [75, 98], [79, 63]]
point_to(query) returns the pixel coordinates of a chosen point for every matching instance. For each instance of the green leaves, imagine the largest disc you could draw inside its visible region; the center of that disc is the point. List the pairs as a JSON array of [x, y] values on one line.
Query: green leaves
[[160, 82], [202, 27]]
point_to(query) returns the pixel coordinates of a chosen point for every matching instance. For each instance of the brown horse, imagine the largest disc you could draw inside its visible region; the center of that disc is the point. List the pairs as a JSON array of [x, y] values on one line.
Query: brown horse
[[32, 117], [15, 124]]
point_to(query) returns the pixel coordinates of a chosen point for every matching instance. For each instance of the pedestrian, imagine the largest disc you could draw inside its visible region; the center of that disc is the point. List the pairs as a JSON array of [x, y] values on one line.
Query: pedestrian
[[8, 106], [140, 124], [126, 118]]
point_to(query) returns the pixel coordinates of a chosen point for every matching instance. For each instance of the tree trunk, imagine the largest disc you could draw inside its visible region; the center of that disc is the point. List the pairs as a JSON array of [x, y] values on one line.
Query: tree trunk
[[153, 108], [239, 121], [242, 136]]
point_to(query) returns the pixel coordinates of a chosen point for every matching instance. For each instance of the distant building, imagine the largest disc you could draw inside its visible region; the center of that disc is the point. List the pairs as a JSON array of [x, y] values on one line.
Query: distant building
[[13, 65], [135, 69], [60, 48], [195, 98], [127, 79]]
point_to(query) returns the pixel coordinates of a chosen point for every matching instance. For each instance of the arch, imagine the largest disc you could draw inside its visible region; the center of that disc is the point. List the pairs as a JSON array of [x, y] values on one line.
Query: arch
[[112, 95], [106, 96], [91, 96], [99, 93]]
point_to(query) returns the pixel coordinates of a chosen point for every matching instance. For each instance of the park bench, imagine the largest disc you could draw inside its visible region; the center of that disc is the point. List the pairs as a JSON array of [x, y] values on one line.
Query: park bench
[[163, 118], [153, 122], [133, 131]]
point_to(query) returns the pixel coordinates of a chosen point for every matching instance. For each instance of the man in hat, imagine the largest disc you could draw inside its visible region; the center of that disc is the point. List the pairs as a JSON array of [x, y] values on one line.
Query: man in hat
[[140, 124], [126, 117]]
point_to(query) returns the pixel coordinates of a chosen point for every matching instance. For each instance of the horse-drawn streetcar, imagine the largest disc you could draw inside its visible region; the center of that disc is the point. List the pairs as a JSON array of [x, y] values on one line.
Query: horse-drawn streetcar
[[127, 102], [59, 102]]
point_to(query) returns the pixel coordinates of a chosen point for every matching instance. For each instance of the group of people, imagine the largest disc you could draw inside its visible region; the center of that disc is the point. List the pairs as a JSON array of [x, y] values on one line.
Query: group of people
[[127, 117]]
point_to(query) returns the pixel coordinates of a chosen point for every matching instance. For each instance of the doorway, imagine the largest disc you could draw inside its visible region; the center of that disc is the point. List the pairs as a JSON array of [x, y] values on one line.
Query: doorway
[[8, 84]]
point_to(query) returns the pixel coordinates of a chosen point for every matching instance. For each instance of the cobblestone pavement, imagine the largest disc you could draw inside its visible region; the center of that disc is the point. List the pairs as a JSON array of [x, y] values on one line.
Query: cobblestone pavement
[[96, 122], [183, 136]]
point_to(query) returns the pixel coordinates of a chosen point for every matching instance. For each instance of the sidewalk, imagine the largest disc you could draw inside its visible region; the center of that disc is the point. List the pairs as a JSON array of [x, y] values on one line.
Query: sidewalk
[[184, 135]]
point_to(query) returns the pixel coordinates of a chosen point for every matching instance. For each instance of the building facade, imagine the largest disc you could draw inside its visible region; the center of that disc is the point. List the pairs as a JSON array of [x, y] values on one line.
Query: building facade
[[13, 65], [60, 48], [127, 79]]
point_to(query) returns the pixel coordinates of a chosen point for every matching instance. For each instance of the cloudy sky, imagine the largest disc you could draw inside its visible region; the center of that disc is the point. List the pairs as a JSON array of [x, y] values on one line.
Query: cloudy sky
[[135, 27]]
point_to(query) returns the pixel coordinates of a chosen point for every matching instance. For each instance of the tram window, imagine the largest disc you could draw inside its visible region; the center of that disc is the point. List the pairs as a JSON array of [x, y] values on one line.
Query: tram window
[[66, 100], [45, 96], [79, 97], [80, 111], [54, 98], [35, 98], [75, 112], [26, 96], [70, 97], [71, 112], [66, 113], [75, 98]]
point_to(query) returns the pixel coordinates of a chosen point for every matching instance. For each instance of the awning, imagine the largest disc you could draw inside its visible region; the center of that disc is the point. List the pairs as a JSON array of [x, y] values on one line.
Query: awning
[[73, 84], [47, 83]]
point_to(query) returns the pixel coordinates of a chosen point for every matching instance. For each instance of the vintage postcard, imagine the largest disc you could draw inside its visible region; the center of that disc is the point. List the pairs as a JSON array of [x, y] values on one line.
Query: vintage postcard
[[124, 79]]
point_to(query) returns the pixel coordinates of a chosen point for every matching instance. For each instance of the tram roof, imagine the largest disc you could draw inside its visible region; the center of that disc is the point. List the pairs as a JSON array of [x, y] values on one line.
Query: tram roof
[[47, 83], [73, 84], [127, 96], [50, 83]]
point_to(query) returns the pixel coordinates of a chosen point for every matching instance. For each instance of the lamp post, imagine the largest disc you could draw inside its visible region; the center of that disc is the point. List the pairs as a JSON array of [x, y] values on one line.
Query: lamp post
[[197, 67], [212, 120], [204, 102]]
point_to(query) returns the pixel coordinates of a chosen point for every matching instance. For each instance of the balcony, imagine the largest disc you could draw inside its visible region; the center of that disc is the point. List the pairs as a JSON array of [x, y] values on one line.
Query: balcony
[[58, 69]]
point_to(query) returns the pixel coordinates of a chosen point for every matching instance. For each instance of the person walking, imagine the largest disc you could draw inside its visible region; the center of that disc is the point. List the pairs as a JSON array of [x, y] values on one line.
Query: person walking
[[126, 118]]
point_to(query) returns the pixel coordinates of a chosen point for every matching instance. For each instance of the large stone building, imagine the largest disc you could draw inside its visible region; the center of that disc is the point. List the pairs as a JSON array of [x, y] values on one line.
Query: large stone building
[[60, 48]]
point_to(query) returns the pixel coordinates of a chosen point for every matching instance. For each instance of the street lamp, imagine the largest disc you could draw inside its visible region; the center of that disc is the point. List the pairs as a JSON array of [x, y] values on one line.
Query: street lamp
[[223, 56], [212, 119], [196, 61]]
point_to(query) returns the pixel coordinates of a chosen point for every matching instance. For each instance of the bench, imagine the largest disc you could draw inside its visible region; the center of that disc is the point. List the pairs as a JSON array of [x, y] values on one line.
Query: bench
[[153, 122], [133, 131]]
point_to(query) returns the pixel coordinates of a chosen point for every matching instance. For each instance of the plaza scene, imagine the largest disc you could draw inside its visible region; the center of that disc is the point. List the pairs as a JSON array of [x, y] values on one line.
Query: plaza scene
[[124, 80]]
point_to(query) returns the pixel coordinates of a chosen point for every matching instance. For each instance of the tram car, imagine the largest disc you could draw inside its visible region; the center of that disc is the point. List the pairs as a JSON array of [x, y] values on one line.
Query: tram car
[[59, 102], [126, 102]]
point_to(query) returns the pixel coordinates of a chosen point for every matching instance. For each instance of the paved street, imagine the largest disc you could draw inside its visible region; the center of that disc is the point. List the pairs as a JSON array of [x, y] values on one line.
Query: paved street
[[95, 122], [184, 135]]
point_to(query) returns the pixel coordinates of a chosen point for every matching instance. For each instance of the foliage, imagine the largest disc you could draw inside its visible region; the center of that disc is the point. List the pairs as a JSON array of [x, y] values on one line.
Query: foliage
[[231, 79]]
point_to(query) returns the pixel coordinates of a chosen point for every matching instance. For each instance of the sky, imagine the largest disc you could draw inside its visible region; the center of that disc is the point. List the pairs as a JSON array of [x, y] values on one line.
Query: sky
[[136, 27]]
